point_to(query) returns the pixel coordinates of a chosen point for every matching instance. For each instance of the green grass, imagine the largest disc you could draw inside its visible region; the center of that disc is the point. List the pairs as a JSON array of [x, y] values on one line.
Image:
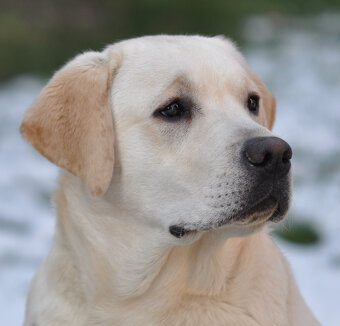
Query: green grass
[[299, 232]]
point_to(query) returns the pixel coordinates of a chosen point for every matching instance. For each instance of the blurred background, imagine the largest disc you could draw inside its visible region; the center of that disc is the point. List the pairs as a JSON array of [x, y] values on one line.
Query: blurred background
[[294, 45]]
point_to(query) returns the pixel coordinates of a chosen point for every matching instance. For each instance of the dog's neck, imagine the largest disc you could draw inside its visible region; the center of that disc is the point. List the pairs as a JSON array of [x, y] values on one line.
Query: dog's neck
[[122, 260]]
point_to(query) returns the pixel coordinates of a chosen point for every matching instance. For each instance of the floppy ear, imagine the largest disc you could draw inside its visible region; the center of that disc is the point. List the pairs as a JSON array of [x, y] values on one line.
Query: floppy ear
[[71, 124], [268, 101]]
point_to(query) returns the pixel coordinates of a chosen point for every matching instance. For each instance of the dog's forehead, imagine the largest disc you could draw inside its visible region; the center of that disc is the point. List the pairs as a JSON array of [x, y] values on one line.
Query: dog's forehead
[[160, 58], [210, 68]]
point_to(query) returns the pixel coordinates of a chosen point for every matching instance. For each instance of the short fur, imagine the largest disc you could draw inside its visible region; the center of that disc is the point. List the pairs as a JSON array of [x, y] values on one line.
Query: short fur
[[129, 175]]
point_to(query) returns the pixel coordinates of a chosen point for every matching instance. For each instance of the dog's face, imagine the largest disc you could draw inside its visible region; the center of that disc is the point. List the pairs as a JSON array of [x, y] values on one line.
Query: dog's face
[[193, 149]]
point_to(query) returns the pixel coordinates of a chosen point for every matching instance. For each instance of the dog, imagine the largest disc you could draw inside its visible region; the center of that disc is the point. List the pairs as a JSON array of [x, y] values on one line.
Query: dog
[[170, 176]]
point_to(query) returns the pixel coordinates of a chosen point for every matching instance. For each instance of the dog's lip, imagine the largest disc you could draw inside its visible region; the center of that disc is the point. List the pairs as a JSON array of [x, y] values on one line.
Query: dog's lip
[[261, 212], [179, 231]]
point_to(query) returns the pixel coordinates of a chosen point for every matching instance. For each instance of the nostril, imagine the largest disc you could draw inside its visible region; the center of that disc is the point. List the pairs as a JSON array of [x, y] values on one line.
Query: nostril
[[267, 158], [259, 159], [258, 154], [287, 155]]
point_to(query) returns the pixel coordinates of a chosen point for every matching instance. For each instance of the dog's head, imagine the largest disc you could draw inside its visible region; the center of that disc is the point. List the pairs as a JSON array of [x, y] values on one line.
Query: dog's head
[[174, 130]]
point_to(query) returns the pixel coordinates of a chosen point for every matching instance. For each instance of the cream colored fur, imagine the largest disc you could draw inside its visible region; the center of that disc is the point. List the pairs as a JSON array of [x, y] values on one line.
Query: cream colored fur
[[129, 175]]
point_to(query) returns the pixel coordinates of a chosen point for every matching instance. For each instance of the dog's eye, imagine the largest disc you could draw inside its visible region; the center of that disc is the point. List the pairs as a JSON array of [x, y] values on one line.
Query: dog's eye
[[173, 112], [253, 104]]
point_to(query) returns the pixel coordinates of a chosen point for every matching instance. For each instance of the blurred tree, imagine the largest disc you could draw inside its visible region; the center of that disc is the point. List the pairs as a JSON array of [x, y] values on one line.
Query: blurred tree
[[37, 36]]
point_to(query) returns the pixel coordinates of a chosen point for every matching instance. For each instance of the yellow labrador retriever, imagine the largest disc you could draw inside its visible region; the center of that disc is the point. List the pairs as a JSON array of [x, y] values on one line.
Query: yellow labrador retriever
[[169, 175]]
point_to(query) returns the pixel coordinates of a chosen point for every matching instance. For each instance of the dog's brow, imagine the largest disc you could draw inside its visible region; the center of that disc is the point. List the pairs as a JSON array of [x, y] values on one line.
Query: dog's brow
[[179, 81], [177, 85]]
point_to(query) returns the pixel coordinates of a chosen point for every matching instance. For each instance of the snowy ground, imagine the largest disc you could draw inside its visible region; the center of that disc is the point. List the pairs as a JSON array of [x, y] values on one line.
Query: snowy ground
[[300, 61]]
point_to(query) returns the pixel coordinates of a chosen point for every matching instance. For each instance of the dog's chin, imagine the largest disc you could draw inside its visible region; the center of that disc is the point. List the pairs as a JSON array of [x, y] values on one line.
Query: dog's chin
[[268, 209], [251, 218]]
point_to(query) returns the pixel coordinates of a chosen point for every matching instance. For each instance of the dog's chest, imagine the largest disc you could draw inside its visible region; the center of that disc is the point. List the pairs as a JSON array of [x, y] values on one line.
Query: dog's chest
[[198, 312]]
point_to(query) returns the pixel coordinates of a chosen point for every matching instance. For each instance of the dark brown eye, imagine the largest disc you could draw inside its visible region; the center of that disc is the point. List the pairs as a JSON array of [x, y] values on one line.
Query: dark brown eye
[[173, 112], [253, 104]]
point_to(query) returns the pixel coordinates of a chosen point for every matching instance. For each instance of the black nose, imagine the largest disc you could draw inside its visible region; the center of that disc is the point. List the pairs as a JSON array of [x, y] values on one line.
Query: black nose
[[268, 154]]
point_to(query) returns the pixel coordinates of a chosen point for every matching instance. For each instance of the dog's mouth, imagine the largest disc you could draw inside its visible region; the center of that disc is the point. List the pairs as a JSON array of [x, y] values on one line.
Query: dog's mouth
[[268, 209], [265, 210]]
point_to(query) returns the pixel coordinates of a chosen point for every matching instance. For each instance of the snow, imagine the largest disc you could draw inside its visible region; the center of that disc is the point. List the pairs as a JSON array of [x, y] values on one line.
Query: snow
[[299, 59], [26, 219]]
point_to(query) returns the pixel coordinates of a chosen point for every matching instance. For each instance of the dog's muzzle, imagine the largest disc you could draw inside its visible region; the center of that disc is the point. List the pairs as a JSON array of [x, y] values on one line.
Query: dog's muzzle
[[266, 161]]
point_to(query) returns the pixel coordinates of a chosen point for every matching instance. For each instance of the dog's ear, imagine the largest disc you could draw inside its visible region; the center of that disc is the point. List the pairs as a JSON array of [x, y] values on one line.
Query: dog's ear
[[269, 103], [71, 124]]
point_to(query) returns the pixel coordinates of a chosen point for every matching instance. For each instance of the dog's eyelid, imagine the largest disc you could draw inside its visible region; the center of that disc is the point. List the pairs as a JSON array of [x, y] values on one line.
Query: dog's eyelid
[[253, 103], [176, 109], [168, 102], [183, 101], [255, 94]]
